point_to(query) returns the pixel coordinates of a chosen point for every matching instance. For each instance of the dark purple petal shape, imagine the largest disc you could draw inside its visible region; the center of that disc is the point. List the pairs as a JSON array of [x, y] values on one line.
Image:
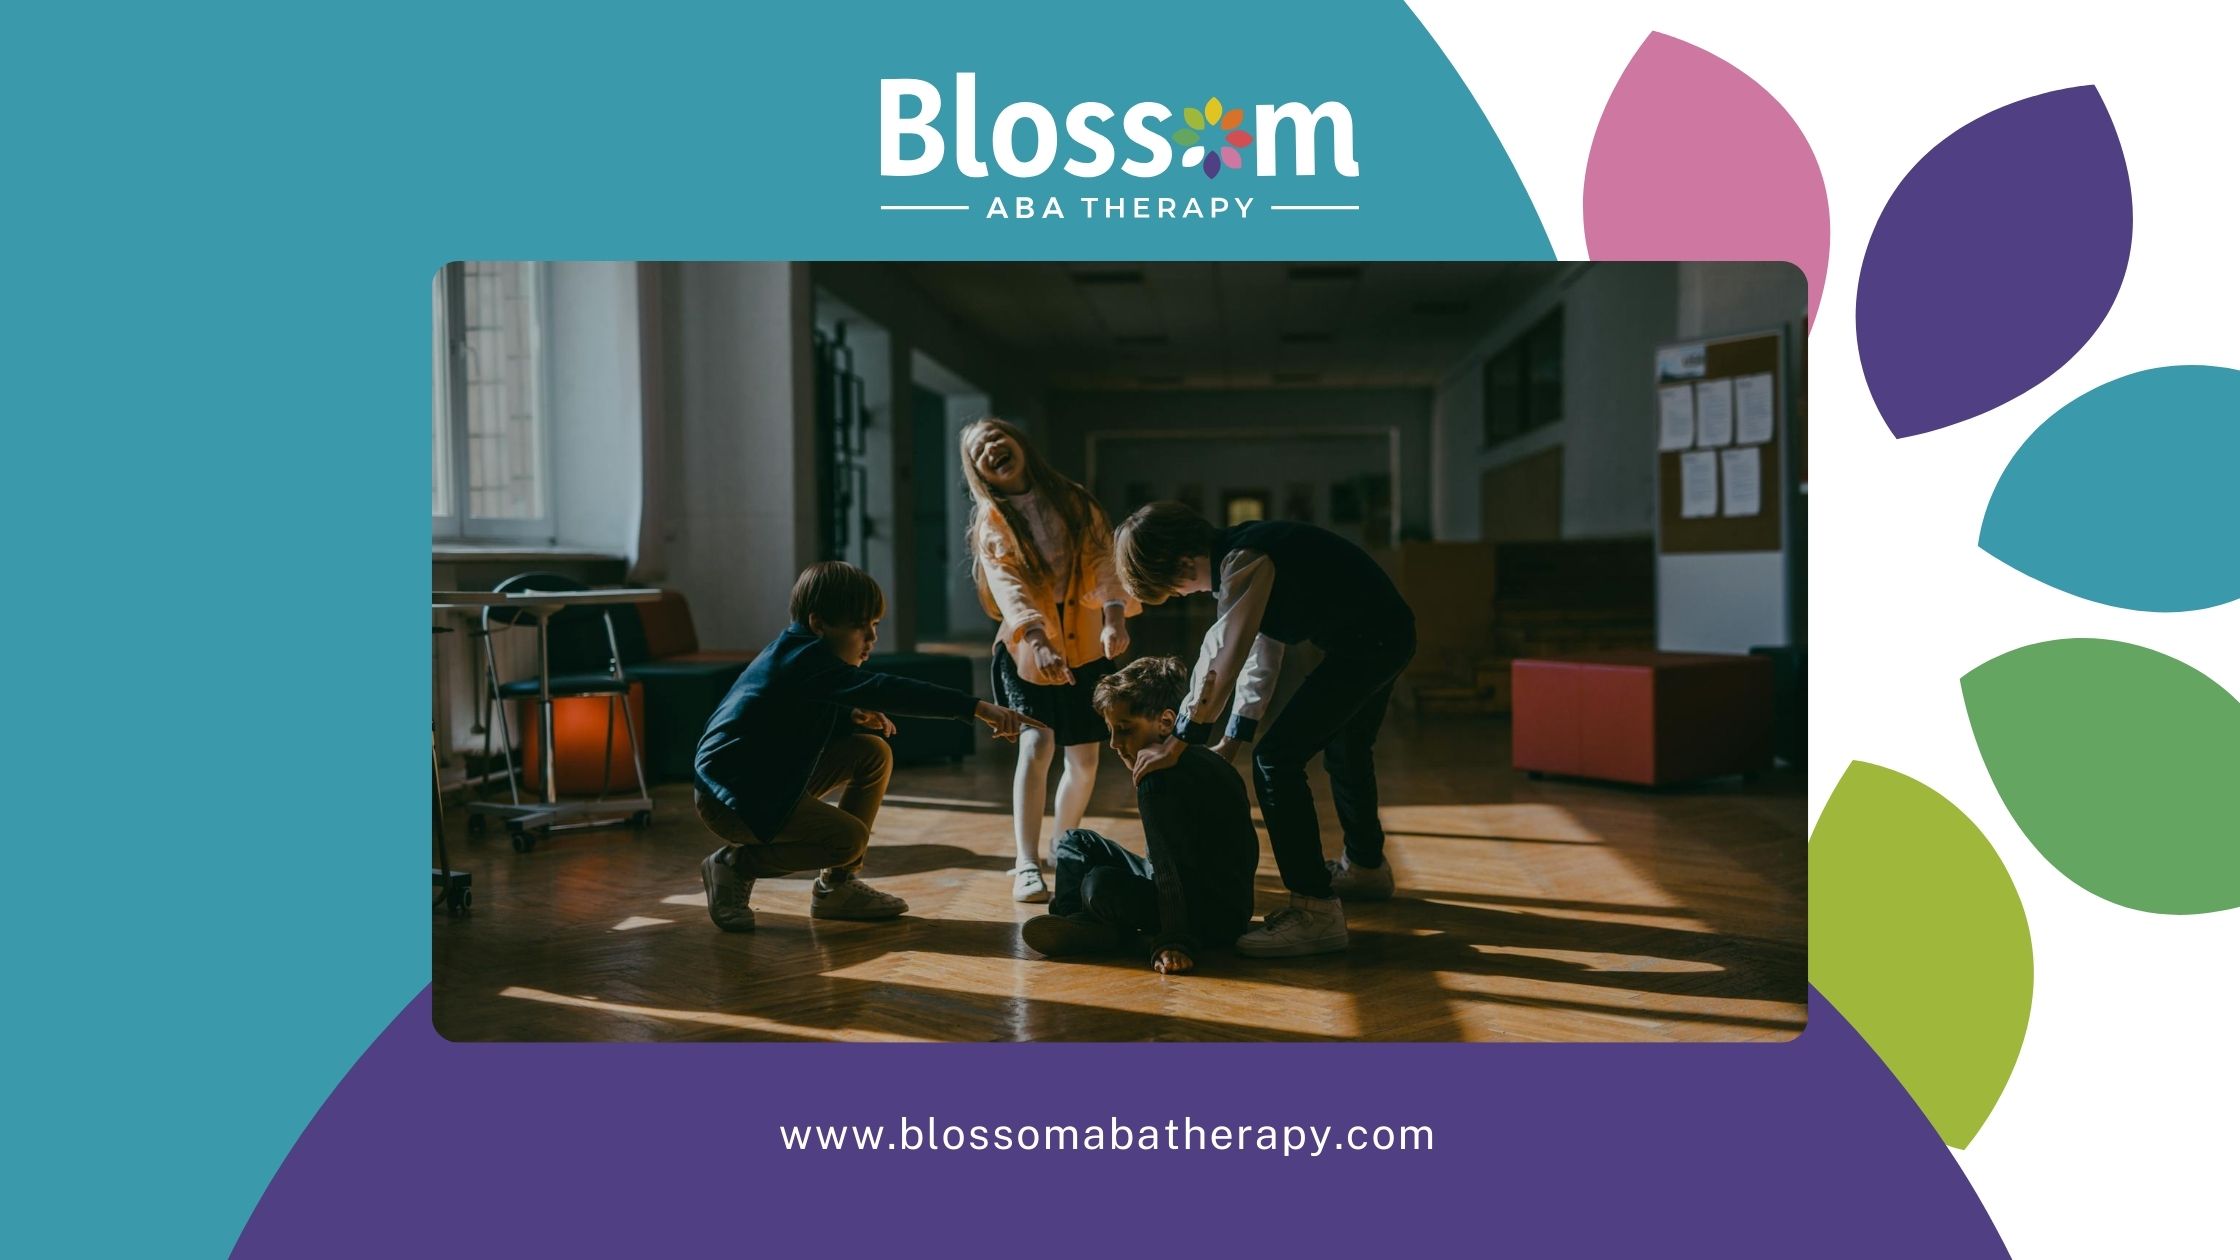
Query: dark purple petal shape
[[1994, 261]]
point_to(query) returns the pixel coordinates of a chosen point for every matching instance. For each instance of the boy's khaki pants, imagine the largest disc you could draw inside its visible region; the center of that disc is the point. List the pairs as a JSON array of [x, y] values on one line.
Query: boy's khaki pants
[[818, 836]]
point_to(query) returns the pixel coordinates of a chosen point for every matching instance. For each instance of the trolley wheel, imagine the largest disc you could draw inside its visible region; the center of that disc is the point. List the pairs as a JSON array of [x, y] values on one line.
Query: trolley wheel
[[642, 819], [523, 841], [477, 824]]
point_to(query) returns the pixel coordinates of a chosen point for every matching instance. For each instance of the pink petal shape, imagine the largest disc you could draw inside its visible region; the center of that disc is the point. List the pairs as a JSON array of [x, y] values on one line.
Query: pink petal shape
[[1231, 158], [1694, 160]]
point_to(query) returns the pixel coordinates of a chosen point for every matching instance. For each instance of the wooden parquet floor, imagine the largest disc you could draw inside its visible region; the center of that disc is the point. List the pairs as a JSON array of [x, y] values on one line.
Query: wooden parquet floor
[[1527, 911]]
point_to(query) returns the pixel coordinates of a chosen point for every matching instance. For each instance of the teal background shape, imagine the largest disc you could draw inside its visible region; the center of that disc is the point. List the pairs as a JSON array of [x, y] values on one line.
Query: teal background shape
[[226, 221], [2126, 495]]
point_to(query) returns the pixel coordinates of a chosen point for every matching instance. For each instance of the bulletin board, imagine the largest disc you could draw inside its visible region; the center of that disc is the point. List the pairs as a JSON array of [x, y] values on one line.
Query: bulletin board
[[1720, 366]]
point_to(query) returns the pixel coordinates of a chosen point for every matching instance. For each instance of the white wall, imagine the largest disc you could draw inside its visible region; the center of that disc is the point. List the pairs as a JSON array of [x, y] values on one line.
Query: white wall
[[1614, 315], [592, 338], [1732, 602], [741, 447]]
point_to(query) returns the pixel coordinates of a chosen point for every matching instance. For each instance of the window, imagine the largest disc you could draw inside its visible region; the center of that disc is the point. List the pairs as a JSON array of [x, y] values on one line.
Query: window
[[1524, 381], [1242, 507], [491, 455]]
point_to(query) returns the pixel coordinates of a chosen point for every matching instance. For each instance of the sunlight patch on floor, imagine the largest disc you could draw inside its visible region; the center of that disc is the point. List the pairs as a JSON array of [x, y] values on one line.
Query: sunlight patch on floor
[[1119, 985], [717, 1019]]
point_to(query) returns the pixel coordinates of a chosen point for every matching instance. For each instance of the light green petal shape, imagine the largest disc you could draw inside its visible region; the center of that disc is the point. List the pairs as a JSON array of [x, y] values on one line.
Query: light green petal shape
[[2121, 764], [1917, 936]]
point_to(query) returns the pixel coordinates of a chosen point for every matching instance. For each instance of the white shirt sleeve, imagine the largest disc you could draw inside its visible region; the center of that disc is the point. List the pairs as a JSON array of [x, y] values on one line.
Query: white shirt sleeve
[[1247, 577], [1255, 687]]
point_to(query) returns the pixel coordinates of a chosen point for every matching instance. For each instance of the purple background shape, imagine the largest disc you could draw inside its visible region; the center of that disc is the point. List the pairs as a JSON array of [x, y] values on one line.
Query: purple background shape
[[1994, 261], [1808, 1147]]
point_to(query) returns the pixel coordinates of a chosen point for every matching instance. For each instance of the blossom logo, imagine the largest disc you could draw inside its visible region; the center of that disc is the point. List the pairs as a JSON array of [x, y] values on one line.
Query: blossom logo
[[1205, 155], [1027, 138]]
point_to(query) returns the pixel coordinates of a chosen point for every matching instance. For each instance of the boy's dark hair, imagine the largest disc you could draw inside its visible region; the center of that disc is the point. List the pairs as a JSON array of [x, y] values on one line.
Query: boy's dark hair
[[838, 594], [1149, 686], [1155, 545]]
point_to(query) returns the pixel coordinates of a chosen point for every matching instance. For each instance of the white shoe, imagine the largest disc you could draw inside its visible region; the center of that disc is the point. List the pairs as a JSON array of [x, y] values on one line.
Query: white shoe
[[1309, 925], [1027, 885], [1359, 883], [727, 893], [853, 899]]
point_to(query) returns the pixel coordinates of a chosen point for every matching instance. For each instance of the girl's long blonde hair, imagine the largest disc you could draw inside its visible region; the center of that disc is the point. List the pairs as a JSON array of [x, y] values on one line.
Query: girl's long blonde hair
[[1064, 495]]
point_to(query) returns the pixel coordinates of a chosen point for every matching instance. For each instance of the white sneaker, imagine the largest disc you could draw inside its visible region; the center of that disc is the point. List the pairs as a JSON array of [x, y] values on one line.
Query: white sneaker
[[853, 899], [1360, 883], [1027, 885], [1309, 925], [727, 893]]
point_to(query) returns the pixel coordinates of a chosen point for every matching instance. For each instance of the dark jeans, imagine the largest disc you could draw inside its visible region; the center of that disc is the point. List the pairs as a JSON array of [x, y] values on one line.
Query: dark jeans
[[1335, 712], [1100, 880]]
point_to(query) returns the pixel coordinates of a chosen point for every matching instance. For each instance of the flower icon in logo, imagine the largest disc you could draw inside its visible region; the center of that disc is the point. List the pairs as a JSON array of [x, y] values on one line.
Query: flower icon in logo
[[1210, 153]]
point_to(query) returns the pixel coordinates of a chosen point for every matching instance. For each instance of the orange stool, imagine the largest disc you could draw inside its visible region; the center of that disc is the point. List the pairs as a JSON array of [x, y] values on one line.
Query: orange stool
[[1643, 717], [581, 731]]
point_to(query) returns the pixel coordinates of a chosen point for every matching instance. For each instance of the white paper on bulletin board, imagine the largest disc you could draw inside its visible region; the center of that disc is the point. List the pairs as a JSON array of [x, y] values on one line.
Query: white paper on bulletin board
[[1738, 476], [1753, 409], [1699, 484], [1680, 363], [1676, 417], [1714, 412]]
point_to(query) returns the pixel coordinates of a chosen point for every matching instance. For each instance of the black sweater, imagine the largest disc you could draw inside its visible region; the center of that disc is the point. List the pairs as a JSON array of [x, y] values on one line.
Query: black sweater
[[763, 742], [1326, 589], [1197, 825]]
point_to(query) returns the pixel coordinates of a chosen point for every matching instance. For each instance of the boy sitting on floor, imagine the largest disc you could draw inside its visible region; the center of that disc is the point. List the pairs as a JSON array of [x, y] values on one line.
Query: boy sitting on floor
[[1196, 888], [805, 718]]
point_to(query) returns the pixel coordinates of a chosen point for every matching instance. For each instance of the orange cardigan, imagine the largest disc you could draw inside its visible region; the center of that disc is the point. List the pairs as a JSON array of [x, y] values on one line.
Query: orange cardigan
[[1073, 619]]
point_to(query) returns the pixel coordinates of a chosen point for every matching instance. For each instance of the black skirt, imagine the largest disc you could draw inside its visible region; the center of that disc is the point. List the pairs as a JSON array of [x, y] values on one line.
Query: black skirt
[[1065, 708]]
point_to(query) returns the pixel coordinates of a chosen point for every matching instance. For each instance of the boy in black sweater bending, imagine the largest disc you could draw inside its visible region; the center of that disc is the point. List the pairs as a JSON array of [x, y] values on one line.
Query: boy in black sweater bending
[[1277, 583], [803, 719], [1196, 888]]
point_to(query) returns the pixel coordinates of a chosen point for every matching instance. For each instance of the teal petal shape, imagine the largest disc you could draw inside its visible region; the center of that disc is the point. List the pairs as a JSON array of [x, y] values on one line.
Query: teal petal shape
[[1917, 934], [2125, 496], [2121, 765]]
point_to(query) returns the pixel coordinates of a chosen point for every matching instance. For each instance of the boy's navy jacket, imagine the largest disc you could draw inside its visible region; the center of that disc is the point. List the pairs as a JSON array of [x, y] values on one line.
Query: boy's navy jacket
[[764, 740]]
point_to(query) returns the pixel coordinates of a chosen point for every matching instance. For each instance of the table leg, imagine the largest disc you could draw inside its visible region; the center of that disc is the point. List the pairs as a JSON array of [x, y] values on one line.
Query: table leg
[[544, 705]]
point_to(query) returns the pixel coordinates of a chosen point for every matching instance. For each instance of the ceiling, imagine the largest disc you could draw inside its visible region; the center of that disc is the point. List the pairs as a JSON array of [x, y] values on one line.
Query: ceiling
[[1230, 325]]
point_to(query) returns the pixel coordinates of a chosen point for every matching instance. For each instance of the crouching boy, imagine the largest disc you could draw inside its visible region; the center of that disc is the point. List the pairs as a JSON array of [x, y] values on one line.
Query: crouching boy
[[806, 718]]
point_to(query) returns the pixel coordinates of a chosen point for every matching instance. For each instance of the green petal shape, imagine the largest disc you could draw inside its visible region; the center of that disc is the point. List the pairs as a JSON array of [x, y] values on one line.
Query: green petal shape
[[1193, 117], [1917, 936], [1183, 135], [2121, 765]]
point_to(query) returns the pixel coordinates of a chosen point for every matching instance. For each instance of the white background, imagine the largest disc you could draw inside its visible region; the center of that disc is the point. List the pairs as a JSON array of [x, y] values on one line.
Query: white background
[[2115, 1135]]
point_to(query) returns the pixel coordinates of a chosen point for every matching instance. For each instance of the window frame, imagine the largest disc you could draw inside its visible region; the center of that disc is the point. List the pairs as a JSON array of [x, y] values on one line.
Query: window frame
[[462, 526], [1505, 419]]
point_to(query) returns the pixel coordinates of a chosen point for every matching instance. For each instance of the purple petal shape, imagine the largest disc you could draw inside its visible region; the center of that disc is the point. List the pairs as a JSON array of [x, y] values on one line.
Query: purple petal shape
[[1213, 165], [570, 1150], [1994, 261]]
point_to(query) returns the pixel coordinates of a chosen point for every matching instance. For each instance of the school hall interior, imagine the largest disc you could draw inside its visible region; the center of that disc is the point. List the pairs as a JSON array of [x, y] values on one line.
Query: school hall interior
[[1587, 479]]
